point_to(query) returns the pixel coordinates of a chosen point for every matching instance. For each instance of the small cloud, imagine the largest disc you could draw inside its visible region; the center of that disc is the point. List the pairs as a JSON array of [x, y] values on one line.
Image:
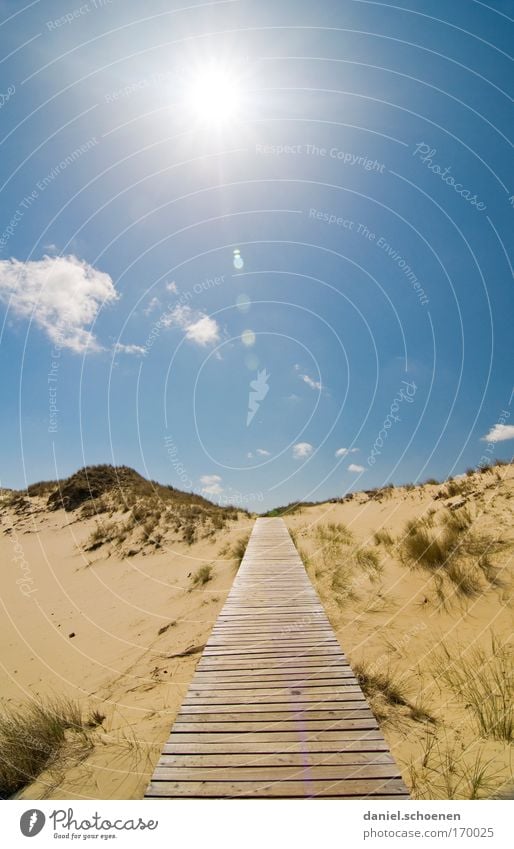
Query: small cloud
[[353, 467], [499, 433], [198, 327], [62, 295], [208, 479], [203, 331], [263, 452], [152, 305], [250, 455], [51, 248], [302, 450], [343, 452], [211, 484], [172, 287], [314, 384], [293, 399], [136, 350]]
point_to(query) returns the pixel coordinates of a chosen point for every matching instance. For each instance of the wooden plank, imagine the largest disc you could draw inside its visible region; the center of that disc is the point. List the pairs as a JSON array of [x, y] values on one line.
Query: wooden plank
[[274, 759], [292, 706], [299, 725], [282, 694], [265, 737], [277, 773], [344, 789], [276, 753], [274, 709]]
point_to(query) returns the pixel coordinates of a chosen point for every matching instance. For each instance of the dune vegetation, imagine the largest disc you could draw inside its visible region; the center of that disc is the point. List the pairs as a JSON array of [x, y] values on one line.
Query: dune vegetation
[[417, 582]]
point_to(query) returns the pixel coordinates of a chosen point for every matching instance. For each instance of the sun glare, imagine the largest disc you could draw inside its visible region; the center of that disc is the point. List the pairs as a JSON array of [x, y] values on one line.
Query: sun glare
[[214, 95]]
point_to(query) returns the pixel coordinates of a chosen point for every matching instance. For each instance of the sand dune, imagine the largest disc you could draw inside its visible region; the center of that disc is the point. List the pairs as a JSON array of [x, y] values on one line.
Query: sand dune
[[115, 616], [416, 635], [85, 624]]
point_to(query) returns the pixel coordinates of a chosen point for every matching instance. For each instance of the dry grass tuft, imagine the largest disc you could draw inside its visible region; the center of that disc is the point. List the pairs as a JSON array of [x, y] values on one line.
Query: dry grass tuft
[[453, 551], [386, 694], [32, 737], [202, 575], [383, 537], [484, 683], [446, 770]]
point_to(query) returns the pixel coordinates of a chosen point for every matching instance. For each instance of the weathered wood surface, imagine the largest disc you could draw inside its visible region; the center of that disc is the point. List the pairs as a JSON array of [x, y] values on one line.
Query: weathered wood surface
[[274, 709]]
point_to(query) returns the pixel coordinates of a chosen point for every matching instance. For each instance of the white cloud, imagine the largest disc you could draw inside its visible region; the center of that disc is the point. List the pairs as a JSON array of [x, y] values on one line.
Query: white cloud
[[211, 484], [210, 479], [314, 384], [198, 327], [152, 305], [119, 348], [172, 287], [203, 331], [250, 455], [499, 433], [302, 450], [342, 452], [263, 452], [63, 296], [353, 467]]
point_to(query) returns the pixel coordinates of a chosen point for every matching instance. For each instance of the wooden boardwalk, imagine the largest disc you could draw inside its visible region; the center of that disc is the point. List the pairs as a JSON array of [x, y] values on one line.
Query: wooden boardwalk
[[274, 709]]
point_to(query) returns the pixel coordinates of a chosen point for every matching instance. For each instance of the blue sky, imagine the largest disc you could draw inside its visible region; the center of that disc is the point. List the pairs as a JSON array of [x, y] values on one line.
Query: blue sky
[[260, 250]]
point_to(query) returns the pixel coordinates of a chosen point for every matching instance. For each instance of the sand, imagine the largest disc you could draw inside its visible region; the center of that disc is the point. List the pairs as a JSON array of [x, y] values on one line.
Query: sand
[[118, 663], [398, 624]]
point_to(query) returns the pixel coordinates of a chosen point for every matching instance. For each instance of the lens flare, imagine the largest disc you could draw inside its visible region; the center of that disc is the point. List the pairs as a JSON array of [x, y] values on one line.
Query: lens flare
[[248, 338], [238, 260]]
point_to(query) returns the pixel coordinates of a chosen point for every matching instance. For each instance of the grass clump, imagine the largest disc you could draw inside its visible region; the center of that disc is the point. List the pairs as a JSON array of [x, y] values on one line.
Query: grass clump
[[238, 549], [383, 537], [369, 561], [484, 682], [423, 548], [333, 533], [202, 576], [33, 736], [445, 771], [103, 533], [386, 693], [453, 551], [454, 487]]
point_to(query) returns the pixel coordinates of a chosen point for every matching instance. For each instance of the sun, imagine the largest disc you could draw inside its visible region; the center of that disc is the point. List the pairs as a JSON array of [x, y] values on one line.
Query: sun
[[213, 95]]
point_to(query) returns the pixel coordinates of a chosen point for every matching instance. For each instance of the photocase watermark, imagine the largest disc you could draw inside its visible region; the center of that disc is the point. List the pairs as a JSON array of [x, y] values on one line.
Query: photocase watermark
[[25, 582], [31, 198], [235, 498], [52, 381], [157, 80], [5, 96], [32, 822], [345, 157], [426, 155], [78, 12], [492, 445], [406, 393], [259, 388], [361, 229], [173, 455], [182, 300]]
